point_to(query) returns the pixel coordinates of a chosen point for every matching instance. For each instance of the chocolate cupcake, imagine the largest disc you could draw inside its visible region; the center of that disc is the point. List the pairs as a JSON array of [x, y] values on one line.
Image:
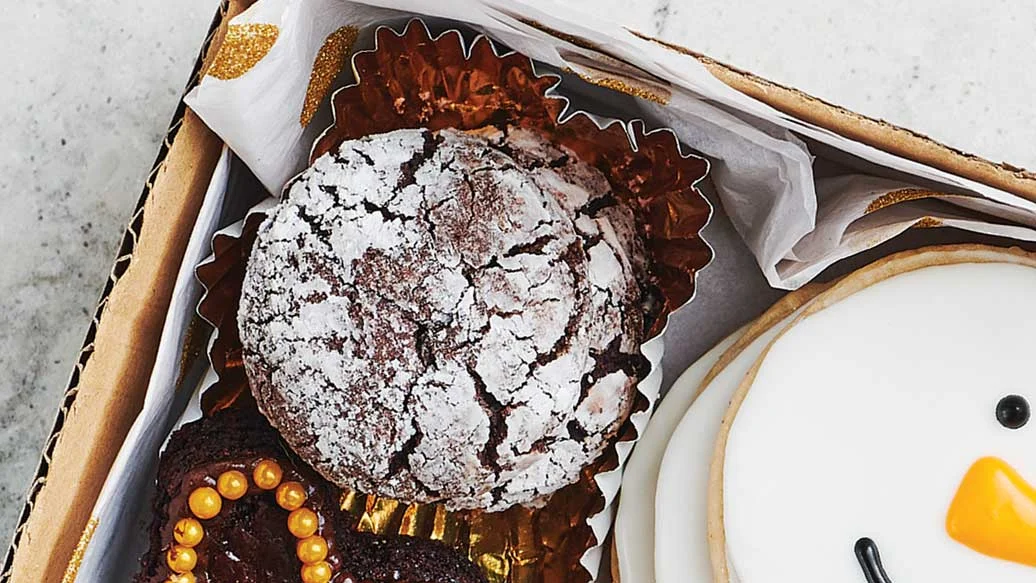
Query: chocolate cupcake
[[234, 507], [447, 316]]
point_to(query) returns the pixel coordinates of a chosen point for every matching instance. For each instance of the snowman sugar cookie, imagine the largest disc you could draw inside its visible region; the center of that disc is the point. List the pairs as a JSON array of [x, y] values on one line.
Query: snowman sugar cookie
[[668, 469], [885, 435]]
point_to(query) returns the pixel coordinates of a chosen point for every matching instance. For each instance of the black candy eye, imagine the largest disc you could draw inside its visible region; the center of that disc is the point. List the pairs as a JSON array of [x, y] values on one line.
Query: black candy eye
[[1012, 411]]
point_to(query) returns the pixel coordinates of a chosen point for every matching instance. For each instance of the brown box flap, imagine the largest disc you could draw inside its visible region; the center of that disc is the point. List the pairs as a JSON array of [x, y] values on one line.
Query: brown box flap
[[106, 391]]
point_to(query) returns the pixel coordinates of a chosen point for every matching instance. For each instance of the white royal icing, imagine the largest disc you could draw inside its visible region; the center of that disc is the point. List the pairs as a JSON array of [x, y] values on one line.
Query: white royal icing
[[681, 550], [864, 417]]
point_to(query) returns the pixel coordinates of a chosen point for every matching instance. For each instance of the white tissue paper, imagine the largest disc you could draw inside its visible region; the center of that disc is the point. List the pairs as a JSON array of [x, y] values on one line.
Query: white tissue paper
[[762, 172], [120, 505]]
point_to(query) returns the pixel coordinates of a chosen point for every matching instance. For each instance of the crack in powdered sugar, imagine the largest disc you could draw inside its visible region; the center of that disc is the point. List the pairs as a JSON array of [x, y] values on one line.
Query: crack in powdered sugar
[[447, 316]]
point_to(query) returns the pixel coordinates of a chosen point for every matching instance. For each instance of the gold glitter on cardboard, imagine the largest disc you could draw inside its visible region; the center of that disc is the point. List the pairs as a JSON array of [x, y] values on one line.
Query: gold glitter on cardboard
[[927, 223], [243, 47], [623, 87], [571, 39], [326, 67], [898, 196], [77, 555]]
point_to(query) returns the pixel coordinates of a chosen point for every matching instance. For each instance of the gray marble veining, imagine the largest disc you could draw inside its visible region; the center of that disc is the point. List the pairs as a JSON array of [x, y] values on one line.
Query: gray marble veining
[[87, 90], [86, 93]]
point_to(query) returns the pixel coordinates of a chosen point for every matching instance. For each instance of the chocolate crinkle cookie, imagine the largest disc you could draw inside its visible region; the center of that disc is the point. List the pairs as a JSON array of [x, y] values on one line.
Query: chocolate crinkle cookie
[[447, 316]]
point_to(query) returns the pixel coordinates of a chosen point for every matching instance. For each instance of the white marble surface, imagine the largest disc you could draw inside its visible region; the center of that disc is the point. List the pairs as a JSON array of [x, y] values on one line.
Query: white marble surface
[[88, 88]]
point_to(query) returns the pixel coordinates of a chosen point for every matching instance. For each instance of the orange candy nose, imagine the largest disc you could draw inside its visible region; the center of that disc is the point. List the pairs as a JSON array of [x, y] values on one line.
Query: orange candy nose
[[994, 512]]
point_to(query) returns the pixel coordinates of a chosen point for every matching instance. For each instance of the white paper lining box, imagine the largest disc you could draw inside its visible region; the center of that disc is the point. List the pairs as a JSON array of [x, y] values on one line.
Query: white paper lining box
[[108, 387]]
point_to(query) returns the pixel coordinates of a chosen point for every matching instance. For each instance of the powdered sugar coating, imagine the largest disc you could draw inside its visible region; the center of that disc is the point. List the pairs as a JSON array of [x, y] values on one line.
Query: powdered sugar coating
[[446, 316]]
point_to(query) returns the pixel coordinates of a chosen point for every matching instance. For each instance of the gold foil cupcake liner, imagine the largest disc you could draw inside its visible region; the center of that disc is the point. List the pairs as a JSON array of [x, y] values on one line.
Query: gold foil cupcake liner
[[414, 80]]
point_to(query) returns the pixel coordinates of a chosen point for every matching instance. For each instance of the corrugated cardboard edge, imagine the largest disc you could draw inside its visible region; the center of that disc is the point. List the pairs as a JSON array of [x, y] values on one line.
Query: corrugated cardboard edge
[[106, 388], [124, 333], [876, 133]]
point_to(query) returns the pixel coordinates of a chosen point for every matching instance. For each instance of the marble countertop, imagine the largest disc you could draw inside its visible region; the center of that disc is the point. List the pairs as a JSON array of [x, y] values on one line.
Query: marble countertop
[[89, 89]]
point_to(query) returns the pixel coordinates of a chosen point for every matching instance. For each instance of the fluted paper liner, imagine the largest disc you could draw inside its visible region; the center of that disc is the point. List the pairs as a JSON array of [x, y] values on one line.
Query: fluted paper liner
[[412, 80]]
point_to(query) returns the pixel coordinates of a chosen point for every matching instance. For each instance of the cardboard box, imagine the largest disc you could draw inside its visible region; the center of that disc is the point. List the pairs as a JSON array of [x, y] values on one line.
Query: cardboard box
[[107, 386]]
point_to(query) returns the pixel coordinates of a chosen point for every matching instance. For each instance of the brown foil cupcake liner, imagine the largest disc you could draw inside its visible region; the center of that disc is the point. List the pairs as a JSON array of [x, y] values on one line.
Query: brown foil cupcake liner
[[416, 80]]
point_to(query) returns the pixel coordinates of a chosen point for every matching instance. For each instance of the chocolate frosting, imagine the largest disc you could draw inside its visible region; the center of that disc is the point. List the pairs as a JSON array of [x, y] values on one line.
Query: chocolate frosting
[[249, 540]]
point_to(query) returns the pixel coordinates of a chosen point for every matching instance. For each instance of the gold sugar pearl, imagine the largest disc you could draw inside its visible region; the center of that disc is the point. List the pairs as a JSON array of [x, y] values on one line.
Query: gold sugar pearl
[[303, 522], [188, 532], [291, 495], [267, 474], [311, 549], [181, 559], [187, 577], [232, 484], [316, 573], [205, 502]]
